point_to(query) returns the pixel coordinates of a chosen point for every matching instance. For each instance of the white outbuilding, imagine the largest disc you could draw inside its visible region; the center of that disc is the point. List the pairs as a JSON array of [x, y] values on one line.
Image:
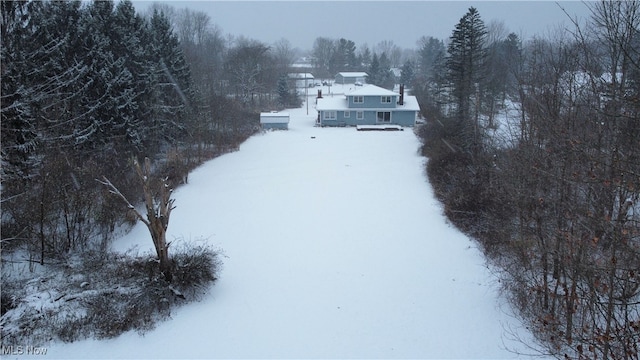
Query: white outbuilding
[[274, 120]]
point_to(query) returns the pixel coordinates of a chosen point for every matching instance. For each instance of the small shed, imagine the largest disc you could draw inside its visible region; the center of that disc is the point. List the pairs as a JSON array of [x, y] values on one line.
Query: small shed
[[274, 120]]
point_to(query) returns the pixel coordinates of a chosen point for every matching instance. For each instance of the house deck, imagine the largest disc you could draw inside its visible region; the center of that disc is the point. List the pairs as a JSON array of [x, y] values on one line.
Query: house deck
[[379, 128]]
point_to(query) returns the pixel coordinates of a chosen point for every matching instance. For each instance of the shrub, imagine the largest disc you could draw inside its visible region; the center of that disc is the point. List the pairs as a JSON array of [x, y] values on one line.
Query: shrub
[[194, 268], [106, 294]]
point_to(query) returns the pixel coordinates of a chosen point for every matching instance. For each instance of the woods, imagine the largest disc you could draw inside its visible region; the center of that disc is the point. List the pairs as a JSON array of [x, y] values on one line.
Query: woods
[[87, 88], [533, 147], [556, 205]]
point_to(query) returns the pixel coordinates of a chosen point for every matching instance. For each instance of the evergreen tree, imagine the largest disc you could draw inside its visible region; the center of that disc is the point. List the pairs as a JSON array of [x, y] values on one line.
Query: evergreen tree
[[131, 89], [344, 56], [283, 90], [465, 70], [430, 86], [386, 77], [407, 73], [169, 78], [431, 61], [364, 58], [374, 71], [18, 125], [380, 72]]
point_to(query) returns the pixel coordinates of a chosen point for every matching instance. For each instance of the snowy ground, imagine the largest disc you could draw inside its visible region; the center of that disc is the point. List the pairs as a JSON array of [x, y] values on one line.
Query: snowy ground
[[336, 248]]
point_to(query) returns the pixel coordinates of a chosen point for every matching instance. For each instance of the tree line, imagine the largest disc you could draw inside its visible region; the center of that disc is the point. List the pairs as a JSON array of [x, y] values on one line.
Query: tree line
[[331, 56], [550, 188], [90, 89], [534, 147]]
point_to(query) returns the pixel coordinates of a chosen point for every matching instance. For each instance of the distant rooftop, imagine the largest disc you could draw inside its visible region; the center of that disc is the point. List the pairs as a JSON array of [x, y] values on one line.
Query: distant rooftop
[[301, 76], [368, 90], [353, 74], [340, 103]]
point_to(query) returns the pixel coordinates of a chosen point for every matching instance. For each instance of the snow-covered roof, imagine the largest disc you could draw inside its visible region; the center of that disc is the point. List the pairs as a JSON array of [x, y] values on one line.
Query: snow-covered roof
[[410, 103], [372, 90], [332, 103], [301, 76], [352, 74]]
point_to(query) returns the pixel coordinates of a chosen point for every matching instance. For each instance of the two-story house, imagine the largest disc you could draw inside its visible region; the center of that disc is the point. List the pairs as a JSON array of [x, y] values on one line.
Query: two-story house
[[368, 105]]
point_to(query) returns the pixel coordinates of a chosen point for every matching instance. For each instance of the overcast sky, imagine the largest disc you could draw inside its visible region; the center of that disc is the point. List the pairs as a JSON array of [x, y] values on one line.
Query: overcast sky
[[370, 22]]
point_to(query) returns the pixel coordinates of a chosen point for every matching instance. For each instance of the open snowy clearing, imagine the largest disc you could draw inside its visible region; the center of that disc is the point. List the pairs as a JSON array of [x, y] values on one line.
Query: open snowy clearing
[[335, 248]]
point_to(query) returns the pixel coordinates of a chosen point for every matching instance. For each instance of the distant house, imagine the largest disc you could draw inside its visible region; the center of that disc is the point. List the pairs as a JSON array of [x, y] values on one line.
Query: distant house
[[301, 79], [368, 105], [274, 121], [351, 78]]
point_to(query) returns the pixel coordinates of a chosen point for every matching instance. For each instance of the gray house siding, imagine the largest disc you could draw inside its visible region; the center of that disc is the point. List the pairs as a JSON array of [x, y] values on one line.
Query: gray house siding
[[274, 121], [372, 102], [275, 126], [402, 118]]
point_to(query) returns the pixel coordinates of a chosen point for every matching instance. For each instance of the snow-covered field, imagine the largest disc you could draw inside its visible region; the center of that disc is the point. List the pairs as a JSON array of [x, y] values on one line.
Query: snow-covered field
[[335, 248]]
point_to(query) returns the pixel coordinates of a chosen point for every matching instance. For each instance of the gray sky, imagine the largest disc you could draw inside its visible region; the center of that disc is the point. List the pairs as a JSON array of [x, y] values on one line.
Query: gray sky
[[370, 22]]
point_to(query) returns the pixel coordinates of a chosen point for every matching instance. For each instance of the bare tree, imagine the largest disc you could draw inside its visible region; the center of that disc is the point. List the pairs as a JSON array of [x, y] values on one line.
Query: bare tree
[[393, 51], [284, 55], [323, 50], [158, 204], [496, 31]]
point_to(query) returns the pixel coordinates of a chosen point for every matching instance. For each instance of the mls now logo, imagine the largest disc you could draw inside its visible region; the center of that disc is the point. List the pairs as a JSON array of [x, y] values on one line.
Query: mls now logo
[[22, 350]]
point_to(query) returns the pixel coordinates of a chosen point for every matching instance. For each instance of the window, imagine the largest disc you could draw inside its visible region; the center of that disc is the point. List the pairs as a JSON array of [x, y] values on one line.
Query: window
[[347, 114], [385, 99], [384, 116], [358, 99], [330, 115], [359, 115]]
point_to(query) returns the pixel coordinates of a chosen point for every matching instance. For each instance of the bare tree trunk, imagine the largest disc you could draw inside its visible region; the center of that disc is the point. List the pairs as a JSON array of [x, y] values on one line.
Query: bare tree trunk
[[158, 203]]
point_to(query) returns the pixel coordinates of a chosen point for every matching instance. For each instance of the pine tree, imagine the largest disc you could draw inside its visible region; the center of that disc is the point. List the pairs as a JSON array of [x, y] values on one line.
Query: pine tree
[[431, 87], [169, 78], [283, 91], [386, 77], [431, 61], [344, 56], [18, 127], [407, 73], [365, 57], [465, 64], [128, 36]]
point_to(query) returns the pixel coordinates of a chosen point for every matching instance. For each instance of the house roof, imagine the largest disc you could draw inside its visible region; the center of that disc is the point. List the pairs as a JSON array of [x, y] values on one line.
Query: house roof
[[332, 103], [410, 103], [372, 90], [352, 74], [300, 76]]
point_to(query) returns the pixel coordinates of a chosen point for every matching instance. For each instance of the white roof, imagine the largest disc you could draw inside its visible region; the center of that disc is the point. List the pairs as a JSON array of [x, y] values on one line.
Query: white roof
[[332, 103], [372, 90], [301, 76], [410, 103], [353, 74]]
